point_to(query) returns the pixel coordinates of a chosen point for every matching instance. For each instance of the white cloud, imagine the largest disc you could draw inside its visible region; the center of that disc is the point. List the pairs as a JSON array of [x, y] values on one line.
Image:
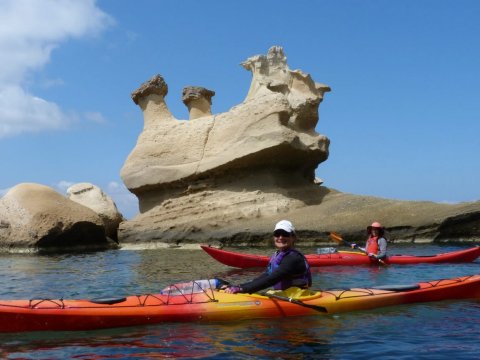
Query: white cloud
[[95, 117], [23, 112], [29, 31], [63, 185]]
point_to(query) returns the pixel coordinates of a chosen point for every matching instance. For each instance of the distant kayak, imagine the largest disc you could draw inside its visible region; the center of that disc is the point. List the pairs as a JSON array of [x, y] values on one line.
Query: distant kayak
[[242, 260], [208, 304]]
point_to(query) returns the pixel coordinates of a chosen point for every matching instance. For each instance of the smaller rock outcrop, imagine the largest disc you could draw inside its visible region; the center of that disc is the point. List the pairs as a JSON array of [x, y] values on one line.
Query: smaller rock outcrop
[[93, 197], [36, 217]]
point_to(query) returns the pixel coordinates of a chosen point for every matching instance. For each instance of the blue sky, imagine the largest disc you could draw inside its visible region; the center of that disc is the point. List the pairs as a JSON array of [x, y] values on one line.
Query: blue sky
[[403, 116]]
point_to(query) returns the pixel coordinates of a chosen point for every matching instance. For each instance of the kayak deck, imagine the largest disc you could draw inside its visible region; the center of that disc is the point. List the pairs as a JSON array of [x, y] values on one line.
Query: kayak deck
[[213, 305], [243, 260]]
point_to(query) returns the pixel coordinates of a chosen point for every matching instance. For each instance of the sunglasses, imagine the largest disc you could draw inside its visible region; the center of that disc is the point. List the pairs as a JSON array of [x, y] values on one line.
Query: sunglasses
[[278, 233]]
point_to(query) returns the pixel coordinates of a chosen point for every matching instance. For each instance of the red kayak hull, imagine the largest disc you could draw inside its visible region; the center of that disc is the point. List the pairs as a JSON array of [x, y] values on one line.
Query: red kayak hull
[[242, 260]]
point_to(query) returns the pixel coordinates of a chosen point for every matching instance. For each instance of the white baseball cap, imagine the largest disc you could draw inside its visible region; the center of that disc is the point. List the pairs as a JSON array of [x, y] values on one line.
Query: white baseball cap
[[285, 225]]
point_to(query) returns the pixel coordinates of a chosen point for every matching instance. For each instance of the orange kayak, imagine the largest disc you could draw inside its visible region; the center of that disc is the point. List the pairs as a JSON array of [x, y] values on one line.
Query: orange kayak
[[242, 260], [212, 305]]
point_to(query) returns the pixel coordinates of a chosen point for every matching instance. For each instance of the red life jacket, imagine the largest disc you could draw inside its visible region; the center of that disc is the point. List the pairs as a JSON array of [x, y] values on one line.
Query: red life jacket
[[372, 245]]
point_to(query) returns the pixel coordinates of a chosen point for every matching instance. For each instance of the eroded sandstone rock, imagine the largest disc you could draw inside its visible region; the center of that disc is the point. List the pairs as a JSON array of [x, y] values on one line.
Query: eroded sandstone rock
[[93, 197], [37, 217], [229, 218], [273, 128], [228, 178], [271, 74]]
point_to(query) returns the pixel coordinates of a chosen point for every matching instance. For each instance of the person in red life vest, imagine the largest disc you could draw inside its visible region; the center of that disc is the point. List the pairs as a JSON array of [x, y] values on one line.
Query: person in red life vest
[[287, 267], [376, 246]]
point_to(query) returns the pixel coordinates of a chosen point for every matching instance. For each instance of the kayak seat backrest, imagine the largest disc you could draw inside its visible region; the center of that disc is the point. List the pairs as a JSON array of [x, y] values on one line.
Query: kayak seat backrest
[[293, 292], [108, 301], [326, 250], [406, 287]]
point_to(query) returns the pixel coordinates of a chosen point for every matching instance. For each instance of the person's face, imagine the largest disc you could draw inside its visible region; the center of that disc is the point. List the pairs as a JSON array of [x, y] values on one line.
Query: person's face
[[283, 239], [375, 231]]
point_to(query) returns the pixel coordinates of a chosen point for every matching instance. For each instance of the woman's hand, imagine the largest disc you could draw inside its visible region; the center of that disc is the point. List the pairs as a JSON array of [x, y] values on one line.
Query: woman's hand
[[233, 289]]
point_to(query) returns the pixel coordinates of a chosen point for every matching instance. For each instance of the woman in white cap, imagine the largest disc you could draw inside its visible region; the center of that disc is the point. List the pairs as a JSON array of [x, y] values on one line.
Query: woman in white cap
[[287, 267], [376, 246]]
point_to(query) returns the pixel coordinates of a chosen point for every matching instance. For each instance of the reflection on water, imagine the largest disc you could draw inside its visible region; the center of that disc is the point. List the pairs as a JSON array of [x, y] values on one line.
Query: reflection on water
[[423, 331], [429, 331]]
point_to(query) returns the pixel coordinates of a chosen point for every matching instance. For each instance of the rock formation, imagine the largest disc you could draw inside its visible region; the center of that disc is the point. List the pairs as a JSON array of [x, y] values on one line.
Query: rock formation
[[93, 197], [273, 130], [36, 217], [229, 177]]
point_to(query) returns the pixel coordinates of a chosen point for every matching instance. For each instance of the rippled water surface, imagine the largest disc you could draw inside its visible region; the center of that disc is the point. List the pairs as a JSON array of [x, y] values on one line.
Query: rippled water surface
[[440, 330]]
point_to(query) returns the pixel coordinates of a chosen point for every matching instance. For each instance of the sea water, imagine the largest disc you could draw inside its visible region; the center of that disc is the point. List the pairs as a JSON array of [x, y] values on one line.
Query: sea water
[[441, 330]]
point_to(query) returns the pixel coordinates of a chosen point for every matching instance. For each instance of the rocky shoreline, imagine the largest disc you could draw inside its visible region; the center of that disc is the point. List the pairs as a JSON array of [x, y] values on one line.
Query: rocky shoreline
[[405, 221], [247, 226]]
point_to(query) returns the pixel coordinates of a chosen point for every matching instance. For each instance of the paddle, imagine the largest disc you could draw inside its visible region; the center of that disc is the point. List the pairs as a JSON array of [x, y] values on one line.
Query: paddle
[[335, 236], [295, 301], [224, 284]]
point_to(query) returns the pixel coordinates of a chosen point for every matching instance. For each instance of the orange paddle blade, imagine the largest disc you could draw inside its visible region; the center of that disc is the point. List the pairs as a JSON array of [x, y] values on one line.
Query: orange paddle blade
[[335, 236]]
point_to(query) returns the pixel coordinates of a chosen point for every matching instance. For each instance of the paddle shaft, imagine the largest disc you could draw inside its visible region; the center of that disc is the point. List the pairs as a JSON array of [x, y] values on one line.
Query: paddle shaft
[[355, 246], [297, 302], [337, 237]]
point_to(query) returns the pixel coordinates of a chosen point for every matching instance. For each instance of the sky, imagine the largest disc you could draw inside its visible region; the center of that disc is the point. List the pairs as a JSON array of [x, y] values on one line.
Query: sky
[[403, 116]]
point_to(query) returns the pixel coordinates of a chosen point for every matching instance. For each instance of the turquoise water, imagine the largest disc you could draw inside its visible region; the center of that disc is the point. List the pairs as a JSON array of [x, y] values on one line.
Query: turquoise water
[[440, 330]]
